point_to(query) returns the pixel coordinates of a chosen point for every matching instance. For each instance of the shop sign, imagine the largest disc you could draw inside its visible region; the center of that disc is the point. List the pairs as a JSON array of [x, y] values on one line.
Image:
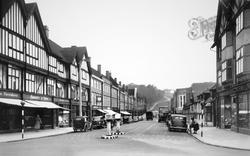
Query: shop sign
[[9, 94], [61, 100], [35, 97]]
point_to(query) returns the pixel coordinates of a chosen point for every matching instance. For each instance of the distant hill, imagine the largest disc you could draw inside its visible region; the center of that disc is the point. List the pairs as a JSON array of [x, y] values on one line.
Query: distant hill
[[153, 95], [150, 92]]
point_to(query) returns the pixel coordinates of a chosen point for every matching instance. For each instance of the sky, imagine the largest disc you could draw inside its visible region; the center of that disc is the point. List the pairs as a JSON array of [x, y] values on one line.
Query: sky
[[138, 41]]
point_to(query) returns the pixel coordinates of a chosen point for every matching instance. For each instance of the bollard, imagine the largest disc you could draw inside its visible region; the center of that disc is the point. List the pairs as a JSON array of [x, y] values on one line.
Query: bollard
[[109, 128], [118, 128]]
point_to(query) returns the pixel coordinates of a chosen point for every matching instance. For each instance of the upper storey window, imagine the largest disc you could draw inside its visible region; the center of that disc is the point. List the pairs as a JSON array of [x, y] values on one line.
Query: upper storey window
[[239, 23], [224, 41], [52, 64], [239, 61]]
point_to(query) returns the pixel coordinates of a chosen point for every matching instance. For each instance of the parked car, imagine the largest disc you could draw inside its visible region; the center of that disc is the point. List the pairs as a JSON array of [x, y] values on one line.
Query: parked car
[[149, 115], [177, 122], [81, 123], [98, 122]]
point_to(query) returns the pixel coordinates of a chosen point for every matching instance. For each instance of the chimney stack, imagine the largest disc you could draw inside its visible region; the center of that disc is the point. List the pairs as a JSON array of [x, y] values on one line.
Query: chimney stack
[[99, 68], [46, 28], [107, 74], [115, 80], [120, 83]]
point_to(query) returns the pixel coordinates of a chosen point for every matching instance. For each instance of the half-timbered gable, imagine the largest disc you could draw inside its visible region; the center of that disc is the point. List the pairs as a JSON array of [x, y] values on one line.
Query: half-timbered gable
[[36, 52], [12, 32]]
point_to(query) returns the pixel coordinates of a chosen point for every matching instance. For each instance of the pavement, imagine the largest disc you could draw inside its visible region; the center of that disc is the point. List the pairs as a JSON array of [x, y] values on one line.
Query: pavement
[[223, 138], [9, 137], [211, 136]]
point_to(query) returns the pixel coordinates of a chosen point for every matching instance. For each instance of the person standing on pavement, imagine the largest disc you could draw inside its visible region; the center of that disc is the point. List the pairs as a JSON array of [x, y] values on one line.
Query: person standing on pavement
[[194, 125], [38, 122]]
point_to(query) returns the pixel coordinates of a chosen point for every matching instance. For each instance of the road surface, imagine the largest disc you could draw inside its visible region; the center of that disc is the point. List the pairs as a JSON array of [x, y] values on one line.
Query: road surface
[[144, 138]]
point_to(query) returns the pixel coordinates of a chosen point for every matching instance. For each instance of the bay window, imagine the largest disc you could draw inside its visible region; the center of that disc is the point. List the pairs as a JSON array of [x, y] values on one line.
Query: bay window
[[239, 23], [239, 61]]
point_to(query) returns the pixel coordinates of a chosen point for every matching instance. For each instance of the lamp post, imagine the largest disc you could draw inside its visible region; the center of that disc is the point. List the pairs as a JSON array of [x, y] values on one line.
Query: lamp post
[[80, 86], [22, 104]]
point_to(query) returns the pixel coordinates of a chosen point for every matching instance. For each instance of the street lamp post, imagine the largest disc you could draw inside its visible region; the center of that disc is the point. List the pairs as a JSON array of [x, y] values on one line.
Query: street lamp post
[[22, 104]]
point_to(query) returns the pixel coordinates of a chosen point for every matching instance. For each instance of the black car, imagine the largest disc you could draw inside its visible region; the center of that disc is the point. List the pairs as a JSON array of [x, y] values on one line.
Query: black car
[[81, 123], [177, 122], [149, 115]]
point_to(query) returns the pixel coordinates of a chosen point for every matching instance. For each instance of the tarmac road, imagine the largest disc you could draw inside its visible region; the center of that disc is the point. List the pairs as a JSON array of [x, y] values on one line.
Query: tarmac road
[[144, 138]]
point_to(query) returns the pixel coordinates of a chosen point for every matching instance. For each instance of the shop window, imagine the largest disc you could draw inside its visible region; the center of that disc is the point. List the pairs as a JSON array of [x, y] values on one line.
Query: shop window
[[243, 111]]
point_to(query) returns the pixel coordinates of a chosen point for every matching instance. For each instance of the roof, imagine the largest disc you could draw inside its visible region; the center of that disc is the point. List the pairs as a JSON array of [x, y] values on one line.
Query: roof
[[56, 49], [96, 73], [198, 88], [71, 53], [113, 82]]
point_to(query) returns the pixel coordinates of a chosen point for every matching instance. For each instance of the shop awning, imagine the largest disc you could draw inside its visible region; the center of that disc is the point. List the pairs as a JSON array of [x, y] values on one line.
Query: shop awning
[[43, 104], [17, 102], [102, 111], [109, 111], [208, 104], [125, 113]]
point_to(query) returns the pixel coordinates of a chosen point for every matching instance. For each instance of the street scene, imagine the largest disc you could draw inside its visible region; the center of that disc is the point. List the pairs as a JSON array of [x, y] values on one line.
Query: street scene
[[124, 77], [141, 138]]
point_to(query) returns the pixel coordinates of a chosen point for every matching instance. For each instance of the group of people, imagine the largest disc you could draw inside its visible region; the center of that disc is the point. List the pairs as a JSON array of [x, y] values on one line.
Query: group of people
[[193, 126]]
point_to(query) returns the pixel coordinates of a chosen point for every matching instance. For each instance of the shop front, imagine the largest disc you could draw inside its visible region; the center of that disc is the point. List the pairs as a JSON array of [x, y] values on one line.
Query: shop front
[[10, 112], [63, 114], [46, 109], [241, 112]]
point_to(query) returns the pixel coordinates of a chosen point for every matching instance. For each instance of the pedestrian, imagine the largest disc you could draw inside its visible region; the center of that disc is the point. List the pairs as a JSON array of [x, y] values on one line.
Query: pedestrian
[[194, 125], [38, 122]]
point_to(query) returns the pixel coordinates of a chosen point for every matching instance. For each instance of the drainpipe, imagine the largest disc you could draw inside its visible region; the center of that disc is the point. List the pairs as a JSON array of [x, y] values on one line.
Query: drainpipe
[[80, 86]]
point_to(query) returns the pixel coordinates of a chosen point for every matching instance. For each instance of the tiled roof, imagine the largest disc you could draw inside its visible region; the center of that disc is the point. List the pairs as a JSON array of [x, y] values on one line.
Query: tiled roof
[[71, 53], [56, 49], [96, 73], [198, 88]]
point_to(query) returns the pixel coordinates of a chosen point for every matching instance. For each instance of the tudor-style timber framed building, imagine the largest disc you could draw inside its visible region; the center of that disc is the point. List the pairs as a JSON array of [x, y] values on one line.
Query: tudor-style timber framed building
[[28, 67], [37, 71], [233, 65]]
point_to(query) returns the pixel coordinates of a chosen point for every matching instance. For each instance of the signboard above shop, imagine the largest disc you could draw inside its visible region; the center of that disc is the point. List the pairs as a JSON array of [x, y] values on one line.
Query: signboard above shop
[[35, 97], [6, 94]]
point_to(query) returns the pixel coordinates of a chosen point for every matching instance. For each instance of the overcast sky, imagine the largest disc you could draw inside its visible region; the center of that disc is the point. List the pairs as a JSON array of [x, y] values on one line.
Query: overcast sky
[[139, 41]]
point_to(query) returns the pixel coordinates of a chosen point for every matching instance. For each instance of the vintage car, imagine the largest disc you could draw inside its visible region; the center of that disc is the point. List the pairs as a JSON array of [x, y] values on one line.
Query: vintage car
[[81, 123], [98, 122], [177, 122]]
